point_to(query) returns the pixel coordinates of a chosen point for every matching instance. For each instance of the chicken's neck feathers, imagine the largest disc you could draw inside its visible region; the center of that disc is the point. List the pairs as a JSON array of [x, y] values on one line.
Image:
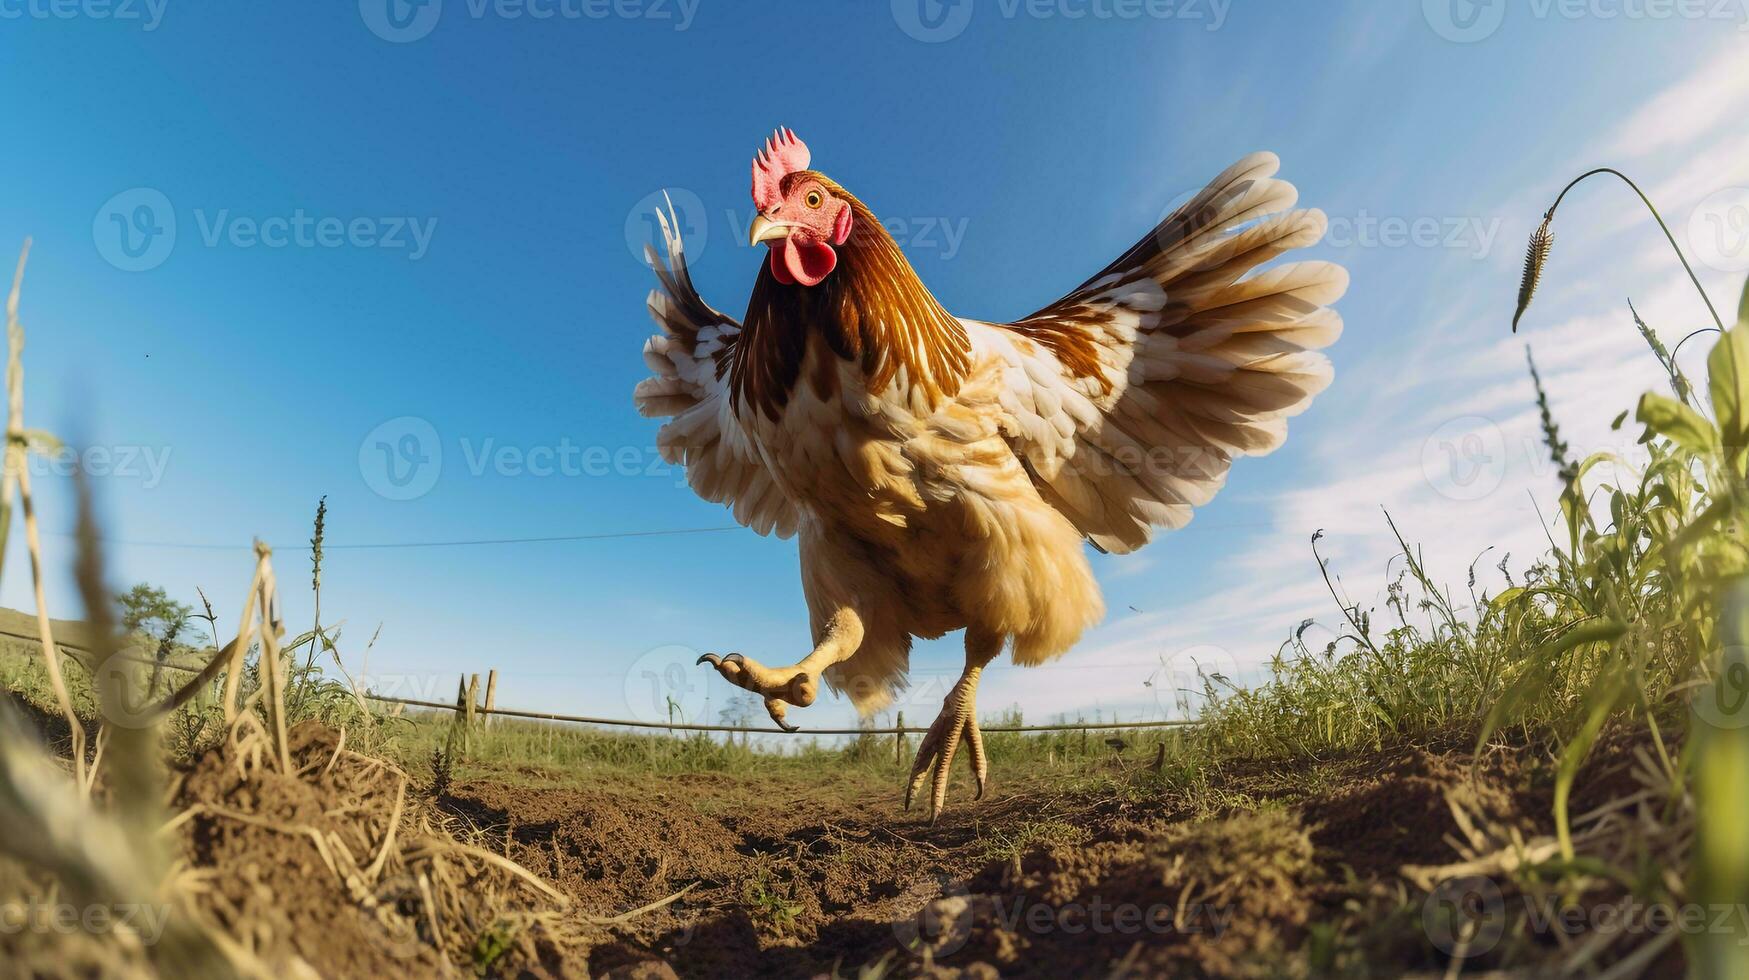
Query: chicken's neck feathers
[[872, 310]]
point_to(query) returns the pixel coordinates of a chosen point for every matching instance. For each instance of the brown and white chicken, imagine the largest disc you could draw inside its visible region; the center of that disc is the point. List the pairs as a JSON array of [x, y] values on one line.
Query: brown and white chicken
[[945, 473]]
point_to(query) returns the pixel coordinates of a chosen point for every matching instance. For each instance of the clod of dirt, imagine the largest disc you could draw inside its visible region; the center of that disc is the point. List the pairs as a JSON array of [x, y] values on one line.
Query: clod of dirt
[[1398, 814], [1226, 897]]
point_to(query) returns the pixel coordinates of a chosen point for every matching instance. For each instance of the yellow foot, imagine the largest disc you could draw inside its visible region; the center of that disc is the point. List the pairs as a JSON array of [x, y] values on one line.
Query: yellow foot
[[789, 684], [958, 719]]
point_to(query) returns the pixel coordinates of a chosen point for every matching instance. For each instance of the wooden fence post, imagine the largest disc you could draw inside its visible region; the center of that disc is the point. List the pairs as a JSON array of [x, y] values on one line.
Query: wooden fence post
[[473, 702], [462, 711], [491, 696], [899, 739]]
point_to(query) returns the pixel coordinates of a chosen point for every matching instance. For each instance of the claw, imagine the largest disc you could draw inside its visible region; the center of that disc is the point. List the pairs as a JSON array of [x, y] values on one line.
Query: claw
[[927, 754], [980, 761], [777, 710], [750, 675], [957, 723]]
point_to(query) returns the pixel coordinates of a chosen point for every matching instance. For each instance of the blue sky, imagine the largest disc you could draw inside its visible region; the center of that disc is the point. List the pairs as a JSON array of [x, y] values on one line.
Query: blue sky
[[430, 221]]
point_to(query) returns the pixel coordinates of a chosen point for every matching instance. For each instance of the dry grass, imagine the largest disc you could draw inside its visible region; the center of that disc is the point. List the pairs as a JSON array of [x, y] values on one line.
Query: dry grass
[[91, 832]]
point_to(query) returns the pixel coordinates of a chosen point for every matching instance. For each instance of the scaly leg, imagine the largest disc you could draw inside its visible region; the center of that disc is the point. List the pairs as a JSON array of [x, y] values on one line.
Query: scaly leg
[[799, 684], [958, 719]]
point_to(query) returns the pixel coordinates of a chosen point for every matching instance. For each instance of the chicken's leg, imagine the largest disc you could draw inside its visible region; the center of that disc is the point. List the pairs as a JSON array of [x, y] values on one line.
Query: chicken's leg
[[798, 684], [958, 719]]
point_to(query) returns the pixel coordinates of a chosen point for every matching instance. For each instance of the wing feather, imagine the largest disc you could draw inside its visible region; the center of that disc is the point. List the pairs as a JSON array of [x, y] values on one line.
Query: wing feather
[[701, 433], [1129, 398]]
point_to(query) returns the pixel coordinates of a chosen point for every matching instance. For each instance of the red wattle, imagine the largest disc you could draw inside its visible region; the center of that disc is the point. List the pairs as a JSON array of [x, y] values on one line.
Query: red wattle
[[778, 272], [807, 264]]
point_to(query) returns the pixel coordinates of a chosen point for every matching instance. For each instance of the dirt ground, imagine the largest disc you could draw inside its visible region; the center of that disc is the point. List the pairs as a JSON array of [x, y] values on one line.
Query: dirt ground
[[1258, 870], [801, 881]]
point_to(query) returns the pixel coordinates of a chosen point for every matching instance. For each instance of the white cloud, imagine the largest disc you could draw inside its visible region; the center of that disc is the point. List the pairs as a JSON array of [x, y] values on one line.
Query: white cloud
[[1687, 110]]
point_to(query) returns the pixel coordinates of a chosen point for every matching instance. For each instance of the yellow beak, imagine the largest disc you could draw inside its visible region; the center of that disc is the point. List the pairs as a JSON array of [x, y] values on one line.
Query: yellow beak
[[764, 229]]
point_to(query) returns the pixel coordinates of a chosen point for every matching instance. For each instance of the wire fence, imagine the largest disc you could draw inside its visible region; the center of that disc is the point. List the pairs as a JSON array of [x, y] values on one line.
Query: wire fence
[[692, 727], [468, 703]]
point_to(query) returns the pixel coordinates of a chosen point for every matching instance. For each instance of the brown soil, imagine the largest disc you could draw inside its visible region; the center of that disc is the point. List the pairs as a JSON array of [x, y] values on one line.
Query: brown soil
[[836, 880], [792, 876]]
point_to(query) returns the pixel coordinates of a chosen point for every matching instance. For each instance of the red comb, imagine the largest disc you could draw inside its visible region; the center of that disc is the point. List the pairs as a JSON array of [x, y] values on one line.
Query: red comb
[[782, 155]]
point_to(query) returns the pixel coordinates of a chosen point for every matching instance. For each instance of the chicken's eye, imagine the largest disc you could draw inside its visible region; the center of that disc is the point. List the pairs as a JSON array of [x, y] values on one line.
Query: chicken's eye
[[813, 199]]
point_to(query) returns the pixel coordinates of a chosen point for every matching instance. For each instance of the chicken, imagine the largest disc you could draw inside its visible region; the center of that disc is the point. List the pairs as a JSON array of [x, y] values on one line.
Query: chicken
[[942, 473]]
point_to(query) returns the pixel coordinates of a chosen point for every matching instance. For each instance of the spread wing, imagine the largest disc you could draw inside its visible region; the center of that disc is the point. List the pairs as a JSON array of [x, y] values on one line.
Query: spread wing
[[701, 433], [1129, 398]]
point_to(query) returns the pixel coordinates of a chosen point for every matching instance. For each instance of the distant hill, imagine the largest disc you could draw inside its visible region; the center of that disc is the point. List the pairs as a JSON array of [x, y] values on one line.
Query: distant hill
[[19, 636]]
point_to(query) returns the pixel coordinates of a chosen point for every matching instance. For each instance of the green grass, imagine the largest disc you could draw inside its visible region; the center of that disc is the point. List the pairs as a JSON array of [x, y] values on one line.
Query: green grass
[[1003, 846]]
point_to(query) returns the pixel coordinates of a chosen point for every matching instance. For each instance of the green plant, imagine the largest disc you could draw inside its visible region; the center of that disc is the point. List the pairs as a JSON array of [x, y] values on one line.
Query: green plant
[[769, 901]]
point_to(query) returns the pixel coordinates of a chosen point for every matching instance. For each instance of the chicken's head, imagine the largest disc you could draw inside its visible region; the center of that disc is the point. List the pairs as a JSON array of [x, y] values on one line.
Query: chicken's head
[[802, 216]]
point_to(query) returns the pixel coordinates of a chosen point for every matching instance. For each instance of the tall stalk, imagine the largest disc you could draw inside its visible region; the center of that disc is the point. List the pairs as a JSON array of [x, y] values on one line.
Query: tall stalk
[[1542, 240]]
